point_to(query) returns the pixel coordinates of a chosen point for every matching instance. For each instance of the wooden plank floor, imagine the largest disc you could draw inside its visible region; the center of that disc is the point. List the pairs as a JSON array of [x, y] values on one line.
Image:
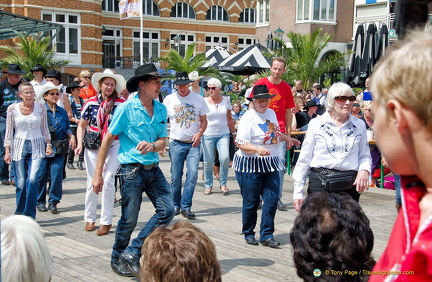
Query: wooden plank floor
[[82, 256]]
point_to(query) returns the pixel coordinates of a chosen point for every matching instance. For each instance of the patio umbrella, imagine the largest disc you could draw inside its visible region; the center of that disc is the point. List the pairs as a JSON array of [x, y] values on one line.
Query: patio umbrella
[[245, 62], [369, 53], [214, 55], [383, 42], [356, 57]]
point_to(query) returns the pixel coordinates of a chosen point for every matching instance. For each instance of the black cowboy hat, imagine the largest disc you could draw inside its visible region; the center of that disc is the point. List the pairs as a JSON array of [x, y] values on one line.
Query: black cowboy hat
[[39, 67], [261, 92], [14, 69], [182, 77], [54, 73], [142, 72], [72, 85]]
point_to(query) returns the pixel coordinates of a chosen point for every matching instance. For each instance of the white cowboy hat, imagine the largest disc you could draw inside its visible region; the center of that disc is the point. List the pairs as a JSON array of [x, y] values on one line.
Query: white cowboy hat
[[120, 81], [45, 88], [194, 76]]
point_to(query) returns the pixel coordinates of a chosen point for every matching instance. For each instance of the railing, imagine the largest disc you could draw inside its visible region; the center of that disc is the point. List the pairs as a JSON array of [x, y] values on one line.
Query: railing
[[129, 62]]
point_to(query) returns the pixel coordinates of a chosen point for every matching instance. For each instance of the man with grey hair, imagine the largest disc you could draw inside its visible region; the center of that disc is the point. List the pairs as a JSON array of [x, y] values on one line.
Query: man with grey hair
[[187, 114]]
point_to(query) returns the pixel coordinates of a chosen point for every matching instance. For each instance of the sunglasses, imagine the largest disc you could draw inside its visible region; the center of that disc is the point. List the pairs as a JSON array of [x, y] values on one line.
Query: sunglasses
[[345, 98], [86, 77], [52, 94], [211, 88]]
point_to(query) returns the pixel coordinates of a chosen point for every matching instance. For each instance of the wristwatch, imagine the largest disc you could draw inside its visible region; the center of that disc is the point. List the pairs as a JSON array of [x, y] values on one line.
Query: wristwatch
[[154, 146]]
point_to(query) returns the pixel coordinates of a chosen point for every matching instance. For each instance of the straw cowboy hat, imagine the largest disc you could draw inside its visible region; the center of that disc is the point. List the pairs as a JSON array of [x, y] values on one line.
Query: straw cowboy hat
[[120, 81], [141, 73], [194, 76], [46, 87]]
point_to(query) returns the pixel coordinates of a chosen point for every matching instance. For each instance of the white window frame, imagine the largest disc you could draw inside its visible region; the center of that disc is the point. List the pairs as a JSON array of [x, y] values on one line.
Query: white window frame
[[118, 41], [217, 40], [185, 41], [217, 13], [189, 8], [249, 12], [305, 11], [110, 6], [153, 6], [75, 58], [263, 12], [244, 45], [135, 44]]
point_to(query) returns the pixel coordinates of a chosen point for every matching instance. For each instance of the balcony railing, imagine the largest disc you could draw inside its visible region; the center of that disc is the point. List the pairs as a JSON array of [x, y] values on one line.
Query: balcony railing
[[129, 62]]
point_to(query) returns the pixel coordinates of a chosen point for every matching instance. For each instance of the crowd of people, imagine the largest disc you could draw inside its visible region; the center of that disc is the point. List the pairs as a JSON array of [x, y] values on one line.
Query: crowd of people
[[48, 123]]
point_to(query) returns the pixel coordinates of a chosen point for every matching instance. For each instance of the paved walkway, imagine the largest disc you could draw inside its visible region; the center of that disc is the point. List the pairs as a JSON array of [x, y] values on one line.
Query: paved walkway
[[82, 256]]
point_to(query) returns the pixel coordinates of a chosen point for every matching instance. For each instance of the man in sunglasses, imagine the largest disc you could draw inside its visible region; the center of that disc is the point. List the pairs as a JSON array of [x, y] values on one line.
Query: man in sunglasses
[[187, 114]]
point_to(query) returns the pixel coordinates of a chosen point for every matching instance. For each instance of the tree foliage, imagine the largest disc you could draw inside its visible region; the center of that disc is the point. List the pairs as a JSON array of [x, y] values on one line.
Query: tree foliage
[[29, 51], [302, 57]]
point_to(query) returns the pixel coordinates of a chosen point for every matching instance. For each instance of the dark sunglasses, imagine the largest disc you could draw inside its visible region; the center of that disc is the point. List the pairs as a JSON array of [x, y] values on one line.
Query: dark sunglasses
[[345, 98], [86, 76], [211, 88], [52, 94]]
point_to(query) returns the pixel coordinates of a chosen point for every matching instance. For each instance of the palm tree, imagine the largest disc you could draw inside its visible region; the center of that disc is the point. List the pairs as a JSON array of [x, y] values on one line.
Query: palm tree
[[189, 62], [30, 51], [302, 57]]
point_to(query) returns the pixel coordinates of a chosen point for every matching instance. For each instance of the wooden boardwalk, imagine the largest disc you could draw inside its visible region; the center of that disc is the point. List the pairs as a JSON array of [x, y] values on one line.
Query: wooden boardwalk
[[82, 256]]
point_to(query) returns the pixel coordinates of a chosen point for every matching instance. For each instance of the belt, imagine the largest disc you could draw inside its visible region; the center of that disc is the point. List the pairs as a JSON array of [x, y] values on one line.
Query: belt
[[185, 142], [145, 167]]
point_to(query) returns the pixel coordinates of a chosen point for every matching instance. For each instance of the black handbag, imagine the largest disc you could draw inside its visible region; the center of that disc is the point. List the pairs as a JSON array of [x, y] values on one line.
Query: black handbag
[[61, 146], [92, 140], [339, 181]]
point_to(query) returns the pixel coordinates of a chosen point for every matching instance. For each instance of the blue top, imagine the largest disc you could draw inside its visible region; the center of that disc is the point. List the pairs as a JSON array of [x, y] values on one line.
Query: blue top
[[59, 120], [367, 96], [76, 109], [133, 124]]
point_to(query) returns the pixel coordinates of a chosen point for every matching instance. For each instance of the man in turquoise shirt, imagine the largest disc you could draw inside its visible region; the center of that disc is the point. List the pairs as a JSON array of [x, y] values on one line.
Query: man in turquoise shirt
[[141, 125]]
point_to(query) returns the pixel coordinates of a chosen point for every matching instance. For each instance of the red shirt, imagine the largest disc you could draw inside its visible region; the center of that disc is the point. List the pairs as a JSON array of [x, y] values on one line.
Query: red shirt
[[87, 92], [282, 101]]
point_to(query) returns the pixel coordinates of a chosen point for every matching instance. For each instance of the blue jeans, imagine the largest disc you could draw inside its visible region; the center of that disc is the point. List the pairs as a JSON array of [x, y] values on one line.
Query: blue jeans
[[221, 143], [282, 156], [252, 186], [4, 167], [27, 186], [398, 186], [52, 169], [179, 154], [133, 182]]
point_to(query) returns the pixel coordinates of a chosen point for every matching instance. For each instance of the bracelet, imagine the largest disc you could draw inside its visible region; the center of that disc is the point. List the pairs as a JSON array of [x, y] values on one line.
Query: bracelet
[[234, 133], [49, 144], [200, 131]]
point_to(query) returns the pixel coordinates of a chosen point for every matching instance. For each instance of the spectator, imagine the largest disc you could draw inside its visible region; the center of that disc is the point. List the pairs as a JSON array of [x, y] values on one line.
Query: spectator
[[299, 92], [195, 85], [332, 233], [26, 154], [309, 112], [25, 255], [356, 111], [87, 90], [184, 253], [403, 132], [335, 150], [39, 74]]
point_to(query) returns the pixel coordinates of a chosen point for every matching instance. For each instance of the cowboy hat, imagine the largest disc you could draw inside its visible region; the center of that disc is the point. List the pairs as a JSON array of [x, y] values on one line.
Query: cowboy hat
[[194, 76], [310, 103], [261, 92], [45, 88], [72, 85], [14, 69], [120, 81], [54, 73], [142, 72], [39, 67], [182, 78]]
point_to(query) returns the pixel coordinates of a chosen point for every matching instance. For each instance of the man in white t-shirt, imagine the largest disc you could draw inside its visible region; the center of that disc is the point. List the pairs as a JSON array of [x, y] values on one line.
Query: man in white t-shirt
[[187, 114]]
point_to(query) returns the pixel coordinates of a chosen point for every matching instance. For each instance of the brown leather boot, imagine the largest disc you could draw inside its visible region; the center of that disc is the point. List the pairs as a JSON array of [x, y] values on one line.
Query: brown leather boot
[[103, 230], [398, 207], [216, 171], [90, 226]]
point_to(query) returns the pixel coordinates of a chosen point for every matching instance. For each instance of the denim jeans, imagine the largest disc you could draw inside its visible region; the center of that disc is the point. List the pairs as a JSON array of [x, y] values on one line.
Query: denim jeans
[[221, 143], [133, 182], [252, 186], [4, 167], [179, 154], [282, 156], [26, 176], [51, 170], [398, 186]]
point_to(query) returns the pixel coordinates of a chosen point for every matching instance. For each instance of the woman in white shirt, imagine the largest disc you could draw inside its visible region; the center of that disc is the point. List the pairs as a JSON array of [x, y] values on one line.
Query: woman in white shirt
[[335, 150], [217, 135]]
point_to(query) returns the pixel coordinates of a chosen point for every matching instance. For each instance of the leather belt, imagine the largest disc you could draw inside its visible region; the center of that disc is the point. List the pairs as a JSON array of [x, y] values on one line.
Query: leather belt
[[145, 167], [185, 142]]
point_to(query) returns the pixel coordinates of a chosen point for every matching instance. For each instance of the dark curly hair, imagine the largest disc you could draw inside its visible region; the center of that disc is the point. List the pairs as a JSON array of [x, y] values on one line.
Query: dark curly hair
[[181, 254], [332, 233]]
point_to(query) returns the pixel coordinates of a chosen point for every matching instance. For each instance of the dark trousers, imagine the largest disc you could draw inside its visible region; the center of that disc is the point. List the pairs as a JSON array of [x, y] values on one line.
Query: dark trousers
[[315, 185]]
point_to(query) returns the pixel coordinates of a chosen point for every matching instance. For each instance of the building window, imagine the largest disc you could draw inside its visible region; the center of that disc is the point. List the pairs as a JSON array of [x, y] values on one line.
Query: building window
[[110, 6], [150, 46], [150, 8], [183, 10], [263, 7], [67, 40], [243, 43], [247, 16], [111, 47], [217, 13], [185, 41], [316, 10]]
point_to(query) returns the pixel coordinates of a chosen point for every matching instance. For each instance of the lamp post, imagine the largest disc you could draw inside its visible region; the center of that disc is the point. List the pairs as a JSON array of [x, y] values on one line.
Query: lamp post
[[278, 34], [177, 41]]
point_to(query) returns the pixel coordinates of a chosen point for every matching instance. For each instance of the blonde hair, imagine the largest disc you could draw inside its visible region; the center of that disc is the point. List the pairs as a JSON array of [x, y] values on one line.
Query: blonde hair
[[404, 74], [366, 105], [84, 73]]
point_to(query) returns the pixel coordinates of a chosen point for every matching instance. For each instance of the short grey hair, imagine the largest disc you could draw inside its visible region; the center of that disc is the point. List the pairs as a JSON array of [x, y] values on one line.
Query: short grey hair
[[214, 81], [337, 89]]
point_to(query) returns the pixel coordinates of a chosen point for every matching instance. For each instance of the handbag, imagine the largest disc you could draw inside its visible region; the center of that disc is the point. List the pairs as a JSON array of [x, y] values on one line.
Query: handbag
[[340, 181], [92, 140], [61, 146]]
